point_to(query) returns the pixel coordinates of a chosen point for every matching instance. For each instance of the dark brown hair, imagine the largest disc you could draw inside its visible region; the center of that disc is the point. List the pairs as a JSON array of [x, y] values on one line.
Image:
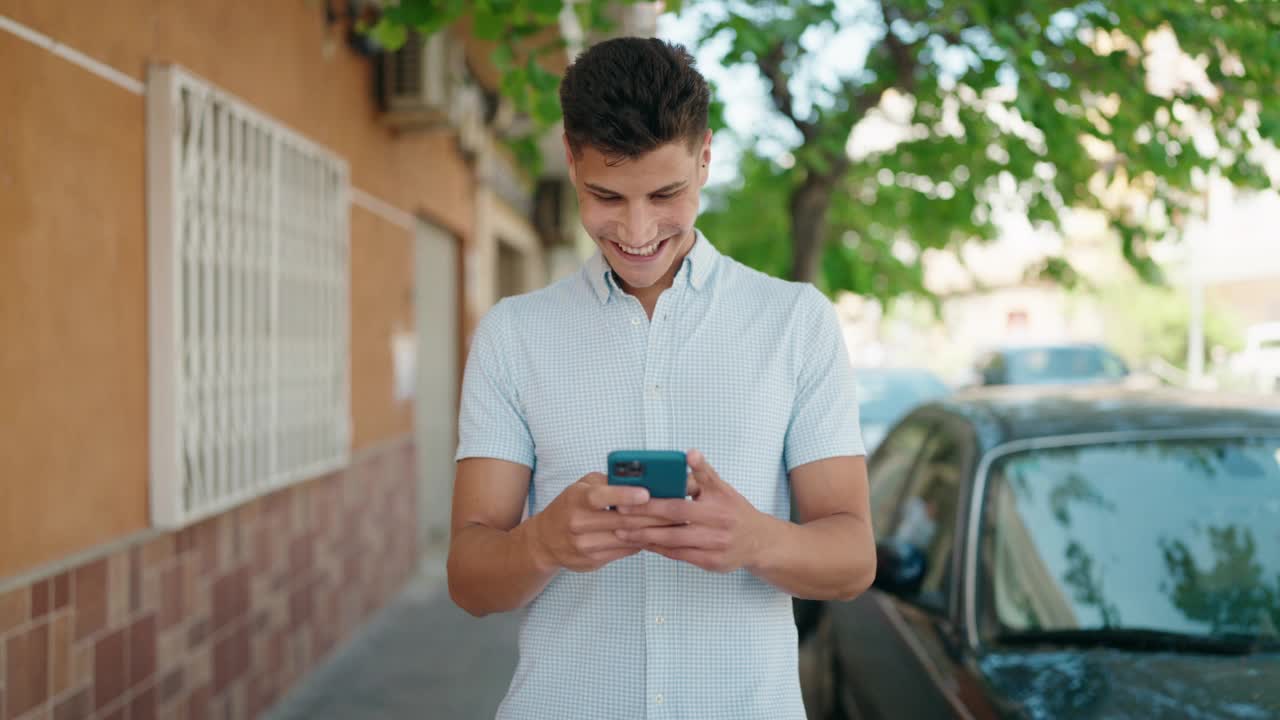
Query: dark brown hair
[[627, 96]]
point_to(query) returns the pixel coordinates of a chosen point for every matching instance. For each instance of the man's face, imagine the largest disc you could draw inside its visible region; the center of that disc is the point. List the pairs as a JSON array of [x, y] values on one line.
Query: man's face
[[641, 211]]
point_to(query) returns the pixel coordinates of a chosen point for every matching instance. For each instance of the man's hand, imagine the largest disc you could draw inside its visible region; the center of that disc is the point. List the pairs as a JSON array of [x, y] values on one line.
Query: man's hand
[[719, 530], [577, 530]]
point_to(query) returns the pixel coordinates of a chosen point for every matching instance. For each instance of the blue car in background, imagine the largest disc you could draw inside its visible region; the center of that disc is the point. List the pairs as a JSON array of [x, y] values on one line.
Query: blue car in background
[[1062, 364]]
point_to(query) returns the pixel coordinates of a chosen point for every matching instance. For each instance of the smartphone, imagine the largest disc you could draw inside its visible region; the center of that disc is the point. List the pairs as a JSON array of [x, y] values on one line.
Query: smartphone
[[664, 473]]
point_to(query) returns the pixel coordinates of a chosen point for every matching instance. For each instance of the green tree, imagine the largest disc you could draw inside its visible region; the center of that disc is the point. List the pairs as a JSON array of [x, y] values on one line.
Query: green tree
[[1049, 99], [1146, 321], [1049, 102], [524, 33]]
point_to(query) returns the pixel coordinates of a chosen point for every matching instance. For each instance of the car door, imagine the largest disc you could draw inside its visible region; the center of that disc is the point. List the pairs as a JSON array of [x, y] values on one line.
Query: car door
[[868, 653], [905, 661]]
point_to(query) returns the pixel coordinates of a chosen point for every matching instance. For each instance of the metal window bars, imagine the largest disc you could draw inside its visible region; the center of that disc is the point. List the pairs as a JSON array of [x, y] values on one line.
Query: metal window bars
[[248, 233]]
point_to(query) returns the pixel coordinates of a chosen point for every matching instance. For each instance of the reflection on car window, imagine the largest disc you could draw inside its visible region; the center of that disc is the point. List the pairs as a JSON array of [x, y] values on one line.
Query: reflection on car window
[[927, 516], [888, 471], [1172, 535]]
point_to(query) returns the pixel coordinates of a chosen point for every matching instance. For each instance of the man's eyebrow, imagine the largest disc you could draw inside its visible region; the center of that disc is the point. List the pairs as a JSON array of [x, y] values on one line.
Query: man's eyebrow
[[672, 187]]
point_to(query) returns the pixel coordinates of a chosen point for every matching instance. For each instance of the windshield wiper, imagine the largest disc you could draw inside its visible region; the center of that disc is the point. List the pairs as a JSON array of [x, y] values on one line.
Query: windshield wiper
[[1145, 640]]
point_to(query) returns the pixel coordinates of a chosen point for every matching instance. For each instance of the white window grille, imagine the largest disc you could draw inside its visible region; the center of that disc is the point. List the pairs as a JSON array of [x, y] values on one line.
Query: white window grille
[[248, 234]]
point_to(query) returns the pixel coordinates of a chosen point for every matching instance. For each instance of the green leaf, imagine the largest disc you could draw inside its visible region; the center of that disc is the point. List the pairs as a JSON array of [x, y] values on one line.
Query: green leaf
[[546, 110], [548, 10], [488, 26], [540, 79], [418, 12], [389, 35], [502, 57], [550, 47], [527, 154]]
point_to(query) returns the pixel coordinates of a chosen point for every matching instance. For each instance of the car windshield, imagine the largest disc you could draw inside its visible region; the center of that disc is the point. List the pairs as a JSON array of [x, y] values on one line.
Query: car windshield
[[886, 395], [1062, 364], [1163, 536]]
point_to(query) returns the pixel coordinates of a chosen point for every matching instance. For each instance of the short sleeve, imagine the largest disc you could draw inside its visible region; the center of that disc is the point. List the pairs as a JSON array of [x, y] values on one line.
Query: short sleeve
[[491, 422], [824, 417]]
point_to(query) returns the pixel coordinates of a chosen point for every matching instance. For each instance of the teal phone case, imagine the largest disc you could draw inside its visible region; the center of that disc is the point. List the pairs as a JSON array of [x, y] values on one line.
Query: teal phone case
[[663, 472]]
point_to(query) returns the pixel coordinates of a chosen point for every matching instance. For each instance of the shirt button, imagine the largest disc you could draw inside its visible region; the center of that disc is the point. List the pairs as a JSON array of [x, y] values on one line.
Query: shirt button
[[659, 620], [635, 321], [658, 698]]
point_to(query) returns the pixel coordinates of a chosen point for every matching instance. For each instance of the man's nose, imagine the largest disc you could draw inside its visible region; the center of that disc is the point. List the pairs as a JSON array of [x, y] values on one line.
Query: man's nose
[[638, 223]]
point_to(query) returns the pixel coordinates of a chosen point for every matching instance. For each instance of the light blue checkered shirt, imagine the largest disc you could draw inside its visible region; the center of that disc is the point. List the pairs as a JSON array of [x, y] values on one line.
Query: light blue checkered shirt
[[747, 368]]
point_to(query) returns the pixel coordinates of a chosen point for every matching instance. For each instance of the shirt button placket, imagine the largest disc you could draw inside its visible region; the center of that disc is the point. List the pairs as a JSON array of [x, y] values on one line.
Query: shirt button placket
[[662, 648], [656, 658]]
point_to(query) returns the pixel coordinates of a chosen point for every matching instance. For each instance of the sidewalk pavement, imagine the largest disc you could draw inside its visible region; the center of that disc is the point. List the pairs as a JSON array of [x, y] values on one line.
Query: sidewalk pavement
[[421, 658]]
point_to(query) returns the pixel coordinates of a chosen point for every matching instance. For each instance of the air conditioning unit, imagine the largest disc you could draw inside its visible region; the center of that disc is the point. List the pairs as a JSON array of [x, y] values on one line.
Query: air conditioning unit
[[420, 81]]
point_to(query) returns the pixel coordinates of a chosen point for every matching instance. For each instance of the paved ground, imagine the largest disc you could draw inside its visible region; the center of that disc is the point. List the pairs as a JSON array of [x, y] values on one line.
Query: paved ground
[[420, 658]]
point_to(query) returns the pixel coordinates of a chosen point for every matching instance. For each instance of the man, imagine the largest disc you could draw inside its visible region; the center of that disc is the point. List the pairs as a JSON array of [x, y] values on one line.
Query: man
[[658, 608]]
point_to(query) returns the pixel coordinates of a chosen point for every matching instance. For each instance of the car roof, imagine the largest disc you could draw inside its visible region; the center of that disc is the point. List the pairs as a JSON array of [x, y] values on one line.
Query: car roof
[[1005, 414], [1041, 347]]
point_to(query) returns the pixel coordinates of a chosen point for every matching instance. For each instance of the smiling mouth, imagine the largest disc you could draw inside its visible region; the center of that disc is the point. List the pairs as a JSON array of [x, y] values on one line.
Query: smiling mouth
[[641, 253]]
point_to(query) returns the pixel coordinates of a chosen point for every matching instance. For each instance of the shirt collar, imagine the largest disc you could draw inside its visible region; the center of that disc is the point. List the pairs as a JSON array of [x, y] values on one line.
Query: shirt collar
[[697, 267]]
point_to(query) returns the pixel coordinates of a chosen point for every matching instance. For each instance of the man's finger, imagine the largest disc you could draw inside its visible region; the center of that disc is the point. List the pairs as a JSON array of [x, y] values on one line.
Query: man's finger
[[610, 521], [674, 511], [601, 542], [692, 487], [703, 473], [594, 479], [699, 558], [683, 536], [600, 497], [611, 555]]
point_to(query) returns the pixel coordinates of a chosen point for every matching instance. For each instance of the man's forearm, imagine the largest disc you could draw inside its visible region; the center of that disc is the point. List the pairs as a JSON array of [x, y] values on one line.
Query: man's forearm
[[831, 558], [494, 570]]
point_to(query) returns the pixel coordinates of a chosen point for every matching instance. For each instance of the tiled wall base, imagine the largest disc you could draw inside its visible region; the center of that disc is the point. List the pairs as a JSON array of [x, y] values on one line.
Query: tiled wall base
[[219, 619]]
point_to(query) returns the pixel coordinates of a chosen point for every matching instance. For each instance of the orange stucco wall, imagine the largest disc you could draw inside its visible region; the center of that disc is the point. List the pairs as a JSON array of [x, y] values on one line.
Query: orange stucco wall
[[73, 282], [73, 325], [381, 304]]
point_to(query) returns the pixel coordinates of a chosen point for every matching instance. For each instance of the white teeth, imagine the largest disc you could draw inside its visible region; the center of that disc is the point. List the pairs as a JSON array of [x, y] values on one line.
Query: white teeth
[[645, 251]]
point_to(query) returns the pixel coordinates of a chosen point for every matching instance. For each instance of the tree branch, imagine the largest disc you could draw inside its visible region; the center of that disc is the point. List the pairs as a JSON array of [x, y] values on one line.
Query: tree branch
[[771, 67], [899, 51]]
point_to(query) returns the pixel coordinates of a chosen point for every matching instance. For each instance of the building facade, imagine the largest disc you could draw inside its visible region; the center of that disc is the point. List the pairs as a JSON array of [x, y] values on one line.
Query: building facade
[[234, 298]]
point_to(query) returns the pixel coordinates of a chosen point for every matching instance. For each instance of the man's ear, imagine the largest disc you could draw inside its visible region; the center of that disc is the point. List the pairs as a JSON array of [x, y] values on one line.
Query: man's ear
[[568, 156], [704, 157]]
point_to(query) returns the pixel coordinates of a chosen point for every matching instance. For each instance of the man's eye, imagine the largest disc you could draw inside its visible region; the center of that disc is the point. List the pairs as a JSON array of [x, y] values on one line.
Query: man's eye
[[608, 198], [664, 196]]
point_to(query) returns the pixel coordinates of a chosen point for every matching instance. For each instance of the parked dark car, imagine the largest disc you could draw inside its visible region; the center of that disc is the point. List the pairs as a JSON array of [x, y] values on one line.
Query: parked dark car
[[1072, 553], [886, 394], [1067, 364]]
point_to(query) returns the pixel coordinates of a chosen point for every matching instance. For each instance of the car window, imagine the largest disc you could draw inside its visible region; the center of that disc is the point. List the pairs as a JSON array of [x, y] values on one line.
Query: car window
[[1062, 364], [991, 367], [926, 517], [1176, 535], [891, 466]]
